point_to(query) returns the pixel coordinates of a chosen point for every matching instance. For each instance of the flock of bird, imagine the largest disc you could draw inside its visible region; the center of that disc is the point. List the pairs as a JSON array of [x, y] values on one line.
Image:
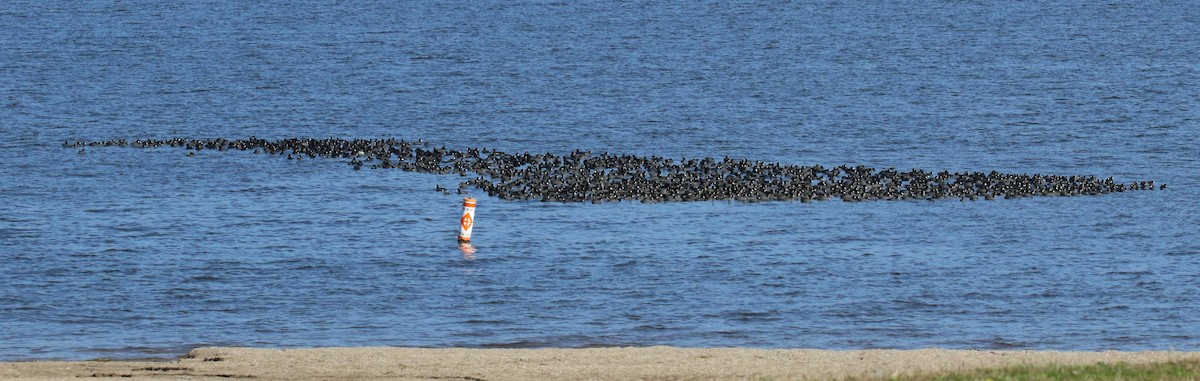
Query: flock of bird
[[584, 176]]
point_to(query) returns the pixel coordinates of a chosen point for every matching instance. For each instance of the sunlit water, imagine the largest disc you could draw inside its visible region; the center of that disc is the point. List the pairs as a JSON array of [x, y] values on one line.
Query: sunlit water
[[122, 253]]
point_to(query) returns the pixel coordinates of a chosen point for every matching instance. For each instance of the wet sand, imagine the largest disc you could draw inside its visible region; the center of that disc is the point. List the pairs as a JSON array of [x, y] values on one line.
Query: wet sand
[[654, 363]]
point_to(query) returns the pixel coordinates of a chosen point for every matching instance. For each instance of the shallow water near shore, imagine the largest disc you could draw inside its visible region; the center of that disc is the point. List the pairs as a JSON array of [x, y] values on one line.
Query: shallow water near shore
[[119, 253]]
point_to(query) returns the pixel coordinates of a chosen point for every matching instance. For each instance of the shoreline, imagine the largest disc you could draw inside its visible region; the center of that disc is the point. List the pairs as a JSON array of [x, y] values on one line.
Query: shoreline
[[658, 363]]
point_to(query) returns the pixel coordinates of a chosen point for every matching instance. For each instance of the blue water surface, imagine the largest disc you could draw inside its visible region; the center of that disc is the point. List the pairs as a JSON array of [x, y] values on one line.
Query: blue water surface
[[122, 253]]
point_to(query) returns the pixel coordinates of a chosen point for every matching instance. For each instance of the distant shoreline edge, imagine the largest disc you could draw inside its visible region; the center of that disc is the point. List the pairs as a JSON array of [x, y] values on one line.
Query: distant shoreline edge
[[658, 362]]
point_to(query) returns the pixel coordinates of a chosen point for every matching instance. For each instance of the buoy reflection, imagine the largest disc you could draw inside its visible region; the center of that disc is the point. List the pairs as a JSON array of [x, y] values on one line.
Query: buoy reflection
[[468, 250]]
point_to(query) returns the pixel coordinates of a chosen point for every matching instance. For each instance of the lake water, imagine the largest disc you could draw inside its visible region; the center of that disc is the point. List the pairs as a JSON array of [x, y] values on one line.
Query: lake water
[[122, 253]]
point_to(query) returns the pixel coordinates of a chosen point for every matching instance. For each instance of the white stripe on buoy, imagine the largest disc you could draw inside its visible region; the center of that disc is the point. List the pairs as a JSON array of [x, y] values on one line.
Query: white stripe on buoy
[[467, 222]]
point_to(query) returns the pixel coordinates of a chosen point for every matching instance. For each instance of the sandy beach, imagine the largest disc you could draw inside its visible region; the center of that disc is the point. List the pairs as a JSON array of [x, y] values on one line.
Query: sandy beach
[[654, 363]]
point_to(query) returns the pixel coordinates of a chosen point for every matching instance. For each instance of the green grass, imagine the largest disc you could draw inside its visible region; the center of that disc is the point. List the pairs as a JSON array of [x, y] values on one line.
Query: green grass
[[1175, 370]]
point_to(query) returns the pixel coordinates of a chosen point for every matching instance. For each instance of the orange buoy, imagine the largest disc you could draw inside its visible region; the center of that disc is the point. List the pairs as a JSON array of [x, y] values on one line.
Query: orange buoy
[[467, 222]]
